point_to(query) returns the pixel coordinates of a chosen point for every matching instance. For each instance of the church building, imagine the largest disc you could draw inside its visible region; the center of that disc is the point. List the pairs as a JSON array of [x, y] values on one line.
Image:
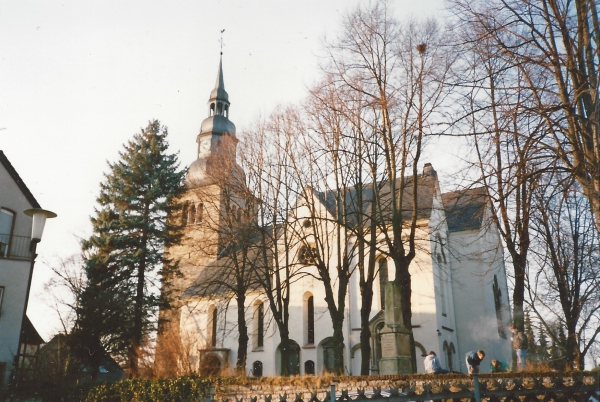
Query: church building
[[459, 287]]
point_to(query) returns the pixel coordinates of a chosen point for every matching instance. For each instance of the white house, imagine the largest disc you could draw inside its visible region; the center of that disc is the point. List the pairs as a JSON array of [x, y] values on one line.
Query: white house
[[459, 289], [15, 264]]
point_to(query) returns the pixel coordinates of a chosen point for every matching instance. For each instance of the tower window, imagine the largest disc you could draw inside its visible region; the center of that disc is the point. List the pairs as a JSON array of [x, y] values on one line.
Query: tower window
[[184, 214], [212, 109], [219, 108], [199, 212], [192, 217]]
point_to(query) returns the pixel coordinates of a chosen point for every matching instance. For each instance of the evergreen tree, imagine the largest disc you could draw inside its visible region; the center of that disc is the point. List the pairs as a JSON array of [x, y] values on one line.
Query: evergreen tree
[[124, 258], [531, 345], [542, 350]]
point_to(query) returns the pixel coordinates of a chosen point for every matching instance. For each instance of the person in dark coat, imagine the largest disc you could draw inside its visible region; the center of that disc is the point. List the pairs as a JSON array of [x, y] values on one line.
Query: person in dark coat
[[474, 360]]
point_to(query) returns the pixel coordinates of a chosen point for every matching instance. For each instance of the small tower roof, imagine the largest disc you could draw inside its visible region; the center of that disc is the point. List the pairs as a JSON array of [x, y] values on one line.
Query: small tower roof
[[219, 92]]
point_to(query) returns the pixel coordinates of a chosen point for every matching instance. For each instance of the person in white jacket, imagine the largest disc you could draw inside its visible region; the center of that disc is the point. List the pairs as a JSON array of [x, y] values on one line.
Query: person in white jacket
[[432, 364]]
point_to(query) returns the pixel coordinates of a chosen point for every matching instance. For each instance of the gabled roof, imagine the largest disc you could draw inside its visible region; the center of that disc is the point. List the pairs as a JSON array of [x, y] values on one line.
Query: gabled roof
[[17, 179], [30, 334], [465, 208], [426, 191]]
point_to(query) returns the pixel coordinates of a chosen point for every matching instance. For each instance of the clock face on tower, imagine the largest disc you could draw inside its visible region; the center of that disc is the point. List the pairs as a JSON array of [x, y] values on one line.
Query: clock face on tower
[[204, 146]]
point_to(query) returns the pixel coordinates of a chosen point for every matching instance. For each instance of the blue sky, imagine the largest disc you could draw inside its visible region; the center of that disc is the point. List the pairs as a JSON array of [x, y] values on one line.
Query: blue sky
[[78, 79]]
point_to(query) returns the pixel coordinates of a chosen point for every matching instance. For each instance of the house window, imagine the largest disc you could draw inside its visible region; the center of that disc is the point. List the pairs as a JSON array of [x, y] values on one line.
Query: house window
[[7, 220], [259, 320], [383, 279], [257, 369], [308, 255], [498, 304], [212, 326], [310, 320]]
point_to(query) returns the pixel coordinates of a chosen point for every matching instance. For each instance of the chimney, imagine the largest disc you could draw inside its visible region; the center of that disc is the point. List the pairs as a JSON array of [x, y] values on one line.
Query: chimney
[[428, 170]]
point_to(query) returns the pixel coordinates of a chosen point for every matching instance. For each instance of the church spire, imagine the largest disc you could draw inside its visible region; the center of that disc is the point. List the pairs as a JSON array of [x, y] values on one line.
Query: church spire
[[219, 93]]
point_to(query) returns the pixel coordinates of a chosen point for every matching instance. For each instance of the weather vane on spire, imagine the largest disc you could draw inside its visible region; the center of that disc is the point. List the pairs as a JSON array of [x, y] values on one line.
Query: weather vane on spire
[[222, 30]]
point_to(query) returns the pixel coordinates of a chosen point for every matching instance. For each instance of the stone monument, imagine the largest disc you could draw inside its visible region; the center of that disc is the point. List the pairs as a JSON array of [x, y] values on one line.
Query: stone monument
[[395, 337]]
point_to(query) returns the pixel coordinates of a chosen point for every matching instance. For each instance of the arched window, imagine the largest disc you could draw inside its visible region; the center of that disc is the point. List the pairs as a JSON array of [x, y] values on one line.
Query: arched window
[[292, 350], [212, 326], [328, 355], [219, 108], [212, 109], [192, 218], [383, 279], [309, 367], [257, 369], [377, 352], [199, 213], [310, 319], [449, 351], [259, 322], [226, 111], [184, 214]]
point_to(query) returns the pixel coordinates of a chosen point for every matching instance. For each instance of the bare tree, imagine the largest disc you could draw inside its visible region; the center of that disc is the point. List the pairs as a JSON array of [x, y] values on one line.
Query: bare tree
[[400, 75], [564, 286], [554, 44]]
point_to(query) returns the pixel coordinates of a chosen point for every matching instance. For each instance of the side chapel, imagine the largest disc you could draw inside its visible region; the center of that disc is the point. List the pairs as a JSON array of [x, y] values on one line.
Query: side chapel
[[459, 301]]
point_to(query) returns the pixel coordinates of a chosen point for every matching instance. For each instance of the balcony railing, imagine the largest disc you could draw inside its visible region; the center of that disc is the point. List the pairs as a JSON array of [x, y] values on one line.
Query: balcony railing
[[15, 247]]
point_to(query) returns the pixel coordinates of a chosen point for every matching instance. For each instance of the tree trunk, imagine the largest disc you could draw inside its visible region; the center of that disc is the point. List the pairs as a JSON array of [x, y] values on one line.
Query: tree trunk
[[403, 279], [242, 354], [365, 330]]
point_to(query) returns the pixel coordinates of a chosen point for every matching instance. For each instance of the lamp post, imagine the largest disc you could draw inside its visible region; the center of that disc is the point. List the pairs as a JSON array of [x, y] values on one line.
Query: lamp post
[[39, 216]]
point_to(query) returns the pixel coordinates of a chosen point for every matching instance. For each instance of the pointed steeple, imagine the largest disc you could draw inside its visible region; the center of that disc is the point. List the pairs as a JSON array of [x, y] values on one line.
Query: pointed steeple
[[219, 92]]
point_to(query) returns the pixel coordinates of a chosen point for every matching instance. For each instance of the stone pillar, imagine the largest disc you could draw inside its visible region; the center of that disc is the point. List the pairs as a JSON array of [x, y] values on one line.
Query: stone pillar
[[395, 337]]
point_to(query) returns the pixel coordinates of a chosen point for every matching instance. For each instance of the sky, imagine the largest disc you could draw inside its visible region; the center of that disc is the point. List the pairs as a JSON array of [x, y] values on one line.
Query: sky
[[79, 78]]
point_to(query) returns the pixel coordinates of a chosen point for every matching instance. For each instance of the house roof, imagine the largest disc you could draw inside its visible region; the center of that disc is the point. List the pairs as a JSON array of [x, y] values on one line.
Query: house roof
[[465, 208], [30, 334], [426, 191], [17, 179]]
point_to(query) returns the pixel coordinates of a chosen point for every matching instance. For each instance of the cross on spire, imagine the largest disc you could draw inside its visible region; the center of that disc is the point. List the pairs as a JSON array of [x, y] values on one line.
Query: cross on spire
[[222, 30]]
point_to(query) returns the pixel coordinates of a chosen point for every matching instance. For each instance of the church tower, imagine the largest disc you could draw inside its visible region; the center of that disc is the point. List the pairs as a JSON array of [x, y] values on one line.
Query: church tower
[[214, 200]]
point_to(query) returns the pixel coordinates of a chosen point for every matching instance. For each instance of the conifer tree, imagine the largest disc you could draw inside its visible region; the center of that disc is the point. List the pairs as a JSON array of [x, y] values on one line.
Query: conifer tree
[[531, 345], [542, 349], [124, 258]]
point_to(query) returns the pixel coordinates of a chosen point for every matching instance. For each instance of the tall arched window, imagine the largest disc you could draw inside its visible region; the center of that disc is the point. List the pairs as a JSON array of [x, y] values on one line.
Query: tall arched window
[[192, 218], [310, 320], [184, 214], [383, 279], [199, 212], [259, 323], [212, 326]]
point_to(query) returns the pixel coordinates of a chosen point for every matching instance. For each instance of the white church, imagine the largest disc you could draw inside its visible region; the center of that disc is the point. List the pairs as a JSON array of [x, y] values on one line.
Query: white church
[[459, 287]]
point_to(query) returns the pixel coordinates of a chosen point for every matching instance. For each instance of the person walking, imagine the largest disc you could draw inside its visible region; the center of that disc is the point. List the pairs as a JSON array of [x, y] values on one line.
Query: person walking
[[519, 344], [474, 360], [432, 364]]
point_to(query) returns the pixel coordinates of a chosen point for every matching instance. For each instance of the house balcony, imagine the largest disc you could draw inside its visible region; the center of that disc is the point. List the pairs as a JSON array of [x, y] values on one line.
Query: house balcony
[[15, 247]]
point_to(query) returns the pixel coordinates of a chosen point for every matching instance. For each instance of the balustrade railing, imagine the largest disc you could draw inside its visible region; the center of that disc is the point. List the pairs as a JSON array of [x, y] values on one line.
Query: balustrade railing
[[15, 247], [576, 387]]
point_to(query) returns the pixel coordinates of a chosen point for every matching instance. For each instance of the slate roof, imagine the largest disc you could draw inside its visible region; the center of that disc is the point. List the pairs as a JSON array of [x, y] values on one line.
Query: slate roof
[[30, 334], [17, 179], [465, 208], [426, 190]]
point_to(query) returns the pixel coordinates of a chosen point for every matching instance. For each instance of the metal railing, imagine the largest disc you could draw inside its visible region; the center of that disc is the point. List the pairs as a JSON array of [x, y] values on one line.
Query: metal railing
[[576, 386], [15, 247]]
